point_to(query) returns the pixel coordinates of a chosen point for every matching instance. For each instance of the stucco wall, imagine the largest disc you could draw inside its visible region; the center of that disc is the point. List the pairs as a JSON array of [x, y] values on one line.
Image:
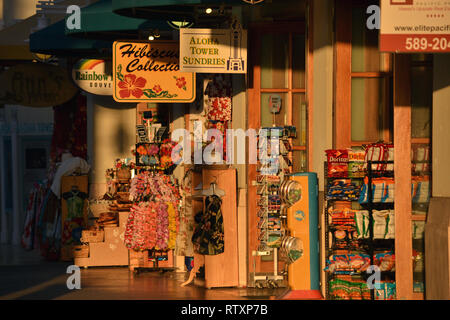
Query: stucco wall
[[111, 134], [441, 126]]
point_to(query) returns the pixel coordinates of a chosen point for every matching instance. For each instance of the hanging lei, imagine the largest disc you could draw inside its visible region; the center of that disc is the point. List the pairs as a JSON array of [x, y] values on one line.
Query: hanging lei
[[152, 222], [139, 231], [129, 231], [163, 224], [173, 225]]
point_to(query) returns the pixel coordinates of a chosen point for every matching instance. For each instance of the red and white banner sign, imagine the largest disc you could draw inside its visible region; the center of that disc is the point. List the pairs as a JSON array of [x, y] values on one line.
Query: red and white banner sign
[[415, 26]]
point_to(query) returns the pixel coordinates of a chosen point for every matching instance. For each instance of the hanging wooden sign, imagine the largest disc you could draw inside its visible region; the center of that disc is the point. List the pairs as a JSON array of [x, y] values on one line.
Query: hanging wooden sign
[[149, 72], [93, 76], [36, 85], [213, 50]]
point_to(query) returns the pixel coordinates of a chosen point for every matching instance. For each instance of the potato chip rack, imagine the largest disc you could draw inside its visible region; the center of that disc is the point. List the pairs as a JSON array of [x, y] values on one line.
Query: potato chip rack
[[369, 245]]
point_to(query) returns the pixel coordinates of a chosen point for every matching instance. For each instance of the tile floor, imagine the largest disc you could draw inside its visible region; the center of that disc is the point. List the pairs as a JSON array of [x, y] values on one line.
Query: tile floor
[[25, 275]]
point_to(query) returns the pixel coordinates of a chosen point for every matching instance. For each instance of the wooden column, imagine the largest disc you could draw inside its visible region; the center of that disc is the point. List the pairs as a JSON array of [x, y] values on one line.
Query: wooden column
[[402, 175], [343, 95]]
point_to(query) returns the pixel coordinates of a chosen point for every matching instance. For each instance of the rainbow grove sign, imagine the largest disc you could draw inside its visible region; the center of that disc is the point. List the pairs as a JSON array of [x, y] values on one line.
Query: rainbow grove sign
[[149, 71], [93, 76]]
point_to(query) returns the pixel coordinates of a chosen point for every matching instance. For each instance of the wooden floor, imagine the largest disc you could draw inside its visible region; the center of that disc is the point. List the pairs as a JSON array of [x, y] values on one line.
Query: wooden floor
[[24, 275]]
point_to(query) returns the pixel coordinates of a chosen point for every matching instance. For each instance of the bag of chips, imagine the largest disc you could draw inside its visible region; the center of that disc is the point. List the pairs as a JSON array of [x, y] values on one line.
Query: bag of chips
[[337, 163], [356, 157]]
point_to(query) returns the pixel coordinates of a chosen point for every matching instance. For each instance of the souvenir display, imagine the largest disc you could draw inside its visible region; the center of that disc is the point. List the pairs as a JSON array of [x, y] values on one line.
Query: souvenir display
[[153, 222], [276, 193]]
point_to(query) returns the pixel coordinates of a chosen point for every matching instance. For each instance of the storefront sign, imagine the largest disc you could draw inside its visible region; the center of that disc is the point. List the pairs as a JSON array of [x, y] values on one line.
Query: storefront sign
[[213, 50], [415, 26], [93, 76], [149, 71], [36, 85]]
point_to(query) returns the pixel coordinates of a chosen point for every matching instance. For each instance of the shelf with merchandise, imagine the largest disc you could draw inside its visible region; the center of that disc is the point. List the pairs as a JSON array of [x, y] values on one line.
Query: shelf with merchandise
[[369, 245]]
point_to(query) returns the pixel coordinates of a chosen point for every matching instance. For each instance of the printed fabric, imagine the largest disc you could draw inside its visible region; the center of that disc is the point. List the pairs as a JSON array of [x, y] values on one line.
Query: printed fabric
[[208, 237], [75, 203], [184, 245], [218, 101]]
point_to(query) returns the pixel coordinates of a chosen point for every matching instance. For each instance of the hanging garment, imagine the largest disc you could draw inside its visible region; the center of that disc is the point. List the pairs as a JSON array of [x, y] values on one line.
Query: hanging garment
[[35, 200], [208, 237], [67, 167], [75, 203], [184, 245], [49, 231], [73, 223]]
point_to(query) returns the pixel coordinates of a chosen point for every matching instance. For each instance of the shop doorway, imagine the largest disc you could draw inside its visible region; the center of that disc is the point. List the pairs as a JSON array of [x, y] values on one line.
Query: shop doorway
[[279, 58]]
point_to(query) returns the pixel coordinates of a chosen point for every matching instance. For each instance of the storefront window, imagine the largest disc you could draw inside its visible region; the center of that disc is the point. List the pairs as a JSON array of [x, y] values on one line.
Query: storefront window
[[299, 118], [368, 106], [274, 60], [365, 54], [421, 108], [421, 101], [283, 75], [268, 118], [298, 61], [363, 79]]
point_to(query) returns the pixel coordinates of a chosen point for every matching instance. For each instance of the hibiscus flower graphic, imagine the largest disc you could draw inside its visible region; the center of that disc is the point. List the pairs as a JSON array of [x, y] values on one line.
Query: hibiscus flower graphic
[[181, 82], [157, 88], [131, 85]]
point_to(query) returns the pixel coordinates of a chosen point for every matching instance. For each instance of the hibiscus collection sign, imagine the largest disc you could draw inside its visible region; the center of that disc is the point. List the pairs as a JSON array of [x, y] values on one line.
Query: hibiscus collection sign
[[149, 71]]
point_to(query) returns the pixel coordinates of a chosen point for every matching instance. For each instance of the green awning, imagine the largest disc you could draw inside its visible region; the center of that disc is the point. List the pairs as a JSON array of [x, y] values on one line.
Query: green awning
[[99, 22], [180, 10], [53, 40]]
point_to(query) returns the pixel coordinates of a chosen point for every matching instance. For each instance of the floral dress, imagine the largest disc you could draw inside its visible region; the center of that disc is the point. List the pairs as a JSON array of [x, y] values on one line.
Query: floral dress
[[208, 237]]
